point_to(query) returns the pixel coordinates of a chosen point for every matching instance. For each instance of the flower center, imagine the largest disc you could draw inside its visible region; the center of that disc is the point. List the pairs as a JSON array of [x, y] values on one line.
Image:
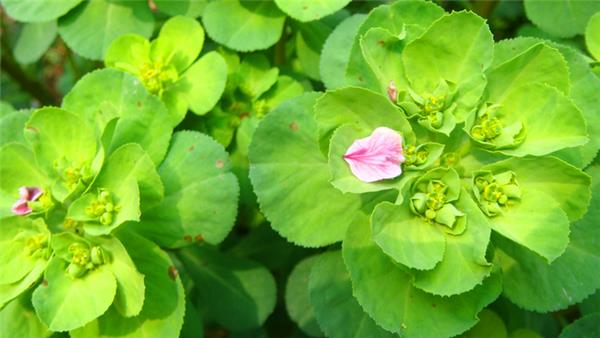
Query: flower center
[[103, 208], [495, 192], [156, 76], [432, 204], [84, 259], [487, 128]]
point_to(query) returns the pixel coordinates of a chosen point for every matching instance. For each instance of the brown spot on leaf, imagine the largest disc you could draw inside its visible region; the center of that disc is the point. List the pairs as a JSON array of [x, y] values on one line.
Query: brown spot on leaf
[[304, 7], [191, 148], [33, 129], [199, 238], [360, 78], [187, 238], [294, 126], [381, 43], [433, 305], [139, 104], [173, 273], [219, 164], [45, 283]]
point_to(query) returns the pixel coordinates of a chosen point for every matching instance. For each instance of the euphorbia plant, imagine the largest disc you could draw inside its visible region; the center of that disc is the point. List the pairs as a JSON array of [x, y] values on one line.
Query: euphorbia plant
[[441, 154], [168, 68], [85, 193]]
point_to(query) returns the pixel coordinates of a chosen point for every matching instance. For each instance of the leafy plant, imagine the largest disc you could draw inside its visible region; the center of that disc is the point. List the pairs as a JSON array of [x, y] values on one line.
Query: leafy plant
[[348, 169], [87, 192]]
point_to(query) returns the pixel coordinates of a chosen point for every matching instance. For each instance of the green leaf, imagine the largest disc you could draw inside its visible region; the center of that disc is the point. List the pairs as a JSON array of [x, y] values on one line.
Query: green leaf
[[18, 320], [586, 327], [584, 86], [17, 162], [284, 89], [120, 180], [243, 25], [464, 265], [164, 303], [533, 284], [468, 46], [131, 161], [561, 18], [128, 53], [56, 134], [34, 40], [361, 108], [407, 238], [524, 333], [590, 304], [337, 311], [592, 36], [565, 184], [64, 303], [408, 18], [237, 293], [382, 50], [192, 327], [536, 222], [130, 283], [200, 194], [309, 10], [38, 10], [15, 258], [297, 298], [12, 125], [538, 64], [385, 292], [204, 82], [102, 95], [296, 217], [91, 27], [310, 39], [550, 120], [20, 267], [178, 43], [335, 54], [191, 8], [490, 325], [256, 75]]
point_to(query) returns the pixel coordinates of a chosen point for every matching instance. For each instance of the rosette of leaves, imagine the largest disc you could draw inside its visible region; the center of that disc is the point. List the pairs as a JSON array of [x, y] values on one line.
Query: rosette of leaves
[[253, 88], [87, 27], [98, 183], [420, 251], [168, 68]]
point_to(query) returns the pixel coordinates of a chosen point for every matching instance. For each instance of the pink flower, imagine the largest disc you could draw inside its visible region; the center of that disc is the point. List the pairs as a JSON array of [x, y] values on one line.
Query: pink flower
[[27, 194], [376, 157]]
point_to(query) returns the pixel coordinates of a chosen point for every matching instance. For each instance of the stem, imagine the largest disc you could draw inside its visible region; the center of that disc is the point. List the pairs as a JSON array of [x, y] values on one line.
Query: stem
[[280, 47], [484, 8], [14, 70]]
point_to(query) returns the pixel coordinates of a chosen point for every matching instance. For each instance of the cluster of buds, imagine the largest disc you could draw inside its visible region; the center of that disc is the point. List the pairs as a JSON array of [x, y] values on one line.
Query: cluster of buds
[[103, 208], [84, 259], [156, 77], [415, 155], [36, 246], [493, 192], [73, 174], [487, 128], [433, 205]]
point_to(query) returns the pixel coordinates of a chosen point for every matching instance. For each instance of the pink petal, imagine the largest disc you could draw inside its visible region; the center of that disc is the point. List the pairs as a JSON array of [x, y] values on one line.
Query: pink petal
[[26, 194], [376, 157], [21, 208]]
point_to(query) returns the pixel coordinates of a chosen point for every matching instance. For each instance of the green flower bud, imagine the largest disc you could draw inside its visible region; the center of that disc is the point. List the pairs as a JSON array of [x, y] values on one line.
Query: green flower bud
[[106, 218], [97, 255], [75, 270]]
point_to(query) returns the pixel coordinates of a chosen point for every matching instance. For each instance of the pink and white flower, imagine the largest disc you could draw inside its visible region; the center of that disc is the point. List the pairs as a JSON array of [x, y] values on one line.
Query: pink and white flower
[[376, 157], [26, 195]]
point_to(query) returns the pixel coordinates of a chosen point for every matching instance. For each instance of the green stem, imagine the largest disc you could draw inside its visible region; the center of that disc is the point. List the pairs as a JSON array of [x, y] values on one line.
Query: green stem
[[484, 8], [280, 48], [11, 67]]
